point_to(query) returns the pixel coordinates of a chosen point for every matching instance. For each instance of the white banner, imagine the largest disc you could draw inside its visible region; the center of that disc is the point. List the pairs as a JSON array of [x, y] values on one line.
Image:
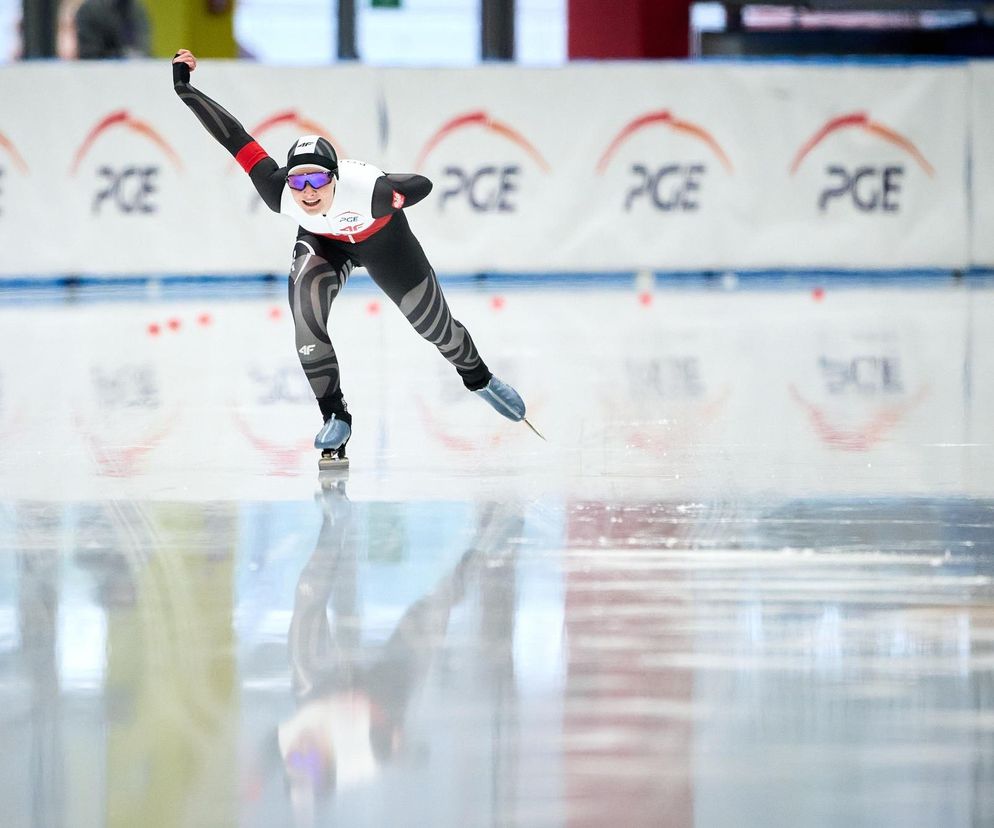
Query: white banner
[[103, 170], [982, 162]]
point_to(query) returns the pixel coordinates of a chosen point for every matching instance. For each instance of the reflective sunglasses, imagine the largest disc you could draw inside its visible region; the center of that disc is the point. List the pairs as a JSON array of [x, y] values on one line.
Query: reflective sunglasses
[[316, 179]]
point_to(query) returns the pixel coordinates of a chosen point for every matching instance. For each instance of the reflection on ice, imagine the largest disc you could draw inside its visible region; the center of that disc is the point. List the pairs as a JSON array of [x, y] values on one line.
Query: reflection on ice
[[859, 390], [748, 580], [530, 662]]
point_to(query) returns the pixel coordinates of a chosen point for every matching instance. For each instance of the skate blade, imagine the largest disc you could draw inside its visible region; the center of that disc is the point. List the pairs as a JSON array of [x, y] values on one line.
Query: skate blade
[[333, 464], [539, 433]]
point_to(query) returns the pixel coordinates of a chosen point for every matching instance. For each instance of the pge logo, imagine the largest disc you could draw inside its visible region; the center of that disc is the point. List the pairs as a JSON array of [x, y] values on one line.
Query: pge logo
[[484, 188], [10, 151], [129, 188], [299, 125], [665, 378], [857, 396], [864, 374], [869, 188], [283, 383], [126, 386], [672, 186]]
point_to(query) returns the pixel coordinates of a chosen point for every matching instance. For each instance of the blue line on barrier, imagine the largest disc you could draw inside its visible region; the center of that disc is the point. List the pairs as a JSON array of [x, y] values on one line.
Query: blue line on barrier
[[253, 286], [512, 278]]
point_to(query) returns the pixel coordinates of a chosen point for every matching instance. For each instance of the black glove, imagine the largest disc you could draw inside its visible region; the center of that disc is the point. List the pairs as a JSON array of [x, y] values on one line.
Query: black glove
[[181, 72]]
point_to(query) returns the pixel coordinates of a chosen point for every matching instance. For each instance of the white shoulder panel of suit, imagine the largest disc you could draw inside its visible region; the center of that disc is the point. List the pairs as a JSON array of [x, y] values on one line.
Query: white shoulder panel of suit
[[351, 211]]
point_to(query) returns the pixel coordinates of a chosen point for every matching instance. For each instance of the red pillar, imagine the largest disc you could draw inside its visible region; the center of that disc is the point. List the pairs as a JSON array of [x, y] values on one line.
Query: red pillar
[[639, 29]]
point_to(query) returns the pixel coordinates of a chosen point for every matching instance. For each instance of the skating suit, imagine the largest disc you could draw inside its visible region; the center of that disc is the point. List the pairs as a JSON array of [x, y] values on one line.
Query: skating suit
[[364, 227]]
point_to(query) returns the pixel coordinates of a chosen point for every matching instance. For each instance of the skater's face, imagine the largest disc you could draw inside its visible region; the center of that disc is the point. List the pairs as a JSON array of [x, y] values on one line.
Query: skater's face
[[311, 200]]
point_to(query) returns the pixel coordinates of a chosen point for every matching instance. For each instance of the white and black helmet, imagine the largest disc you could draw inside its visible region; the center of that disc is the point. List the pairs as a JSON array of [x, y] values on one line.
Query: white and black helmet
[[312, 150]]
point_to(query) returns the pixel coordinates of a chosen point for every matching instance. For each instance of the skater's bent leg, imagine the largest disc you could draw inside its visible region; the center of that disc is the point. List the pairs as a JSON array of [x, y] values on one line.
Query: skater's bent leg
[[398, 265], [314, 283]]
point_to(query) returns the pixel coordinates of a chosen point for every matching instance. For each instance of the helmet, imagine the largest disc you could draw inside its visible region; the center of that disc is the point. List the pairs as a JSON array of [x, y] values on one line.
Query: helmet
[[312, 150]]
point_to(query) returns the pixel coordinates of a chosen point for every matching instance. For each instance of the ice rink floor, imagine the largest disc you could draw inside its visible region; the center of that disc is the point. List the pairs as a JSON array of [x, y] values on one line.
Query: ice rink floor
[[747, 581]]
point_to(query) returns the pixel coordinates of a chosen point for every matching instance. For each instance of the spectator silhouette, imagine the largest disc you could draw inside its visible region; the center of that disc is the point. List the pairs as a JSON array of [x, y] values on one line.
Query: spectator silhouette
[[112, 29]]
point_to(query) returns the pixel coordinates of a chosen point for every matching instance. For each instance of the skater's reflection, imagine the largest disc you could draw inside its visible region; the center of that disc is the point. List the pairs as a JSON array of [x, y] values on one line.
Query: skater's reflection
[[39, 680], [352, 700]]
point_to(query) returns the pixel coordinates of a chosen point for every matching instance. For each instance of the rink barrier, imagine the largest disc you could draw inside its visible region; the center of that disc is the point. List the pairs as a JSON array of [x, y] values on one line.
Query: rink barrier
[[709, 166], [153, 288]]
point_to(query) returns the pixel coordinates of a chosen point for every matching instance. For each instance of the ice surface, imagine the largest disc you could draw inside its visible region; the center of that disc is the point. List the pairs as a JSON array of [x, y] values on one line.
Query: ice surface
[[747, 580]]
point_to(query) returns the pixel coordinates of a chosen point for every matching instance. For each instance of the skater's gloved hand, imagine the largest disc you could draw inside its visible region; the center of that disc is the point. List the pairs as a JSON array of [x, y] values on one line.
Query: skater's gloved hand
[[183, 64]]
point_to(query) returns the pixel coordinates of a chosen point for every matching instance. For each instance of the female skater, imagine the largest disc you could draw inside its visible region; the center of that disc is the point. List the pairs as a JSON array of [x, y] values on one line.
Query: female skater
[[350, 215]]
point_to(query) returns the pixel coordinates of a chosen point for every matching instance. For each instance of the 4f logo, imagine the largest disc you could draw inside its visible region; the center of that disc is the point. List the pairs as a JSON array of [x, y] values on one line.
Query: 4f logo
[[307, 350]]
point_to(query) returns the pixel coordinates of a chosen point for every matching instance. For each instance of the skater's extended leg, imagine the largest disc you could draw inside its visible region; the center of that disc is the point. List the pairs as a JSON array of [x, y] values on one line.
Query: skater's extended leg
[[317, 276], [398, 265]]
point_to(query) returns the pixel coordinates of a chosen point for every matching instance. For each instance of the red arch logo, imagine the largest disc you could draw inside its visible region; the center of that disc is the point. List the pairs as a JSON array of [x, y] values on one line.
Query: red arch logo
[[665, 118], [303, 125], [480, 119], [8, 146], [860, 120], [122, 118]]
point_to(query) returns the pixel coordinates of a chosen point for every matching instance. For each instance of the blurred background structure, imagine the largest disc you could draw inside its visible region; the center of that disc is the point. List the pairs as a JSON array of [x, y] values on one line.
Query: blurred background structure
[[530, 32]]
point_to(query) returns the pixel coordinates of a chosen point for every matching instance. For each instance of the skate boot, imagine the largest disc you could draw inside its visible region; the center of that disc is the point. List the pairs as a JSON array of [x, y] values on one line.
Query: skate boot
[[503, 399], [331, 439]]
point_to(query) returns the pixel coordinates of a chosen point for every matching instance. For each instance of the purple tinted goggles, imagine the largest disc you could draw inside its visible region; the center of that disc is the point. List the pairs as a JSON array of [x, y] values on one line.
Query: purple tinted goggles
[[299, 181]]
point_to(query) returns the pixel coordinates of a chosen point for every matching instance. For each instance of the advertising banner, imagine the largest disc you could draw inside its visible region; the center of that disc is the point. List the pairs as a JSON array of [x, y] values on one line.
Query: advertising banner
[[982, 162], [595, 167]]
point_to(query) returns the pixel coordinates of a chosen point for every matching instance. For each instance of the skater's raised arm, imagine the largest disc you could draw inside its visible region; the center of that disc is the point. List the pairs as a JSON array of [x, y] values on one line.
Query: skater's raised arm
[[265, 173]]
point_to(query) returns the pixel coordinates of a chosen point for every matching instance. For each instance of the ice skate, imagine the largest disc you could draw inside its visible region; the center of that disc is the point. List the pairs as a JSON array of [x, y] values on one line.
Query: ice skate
[[505, 401], [331, 439]]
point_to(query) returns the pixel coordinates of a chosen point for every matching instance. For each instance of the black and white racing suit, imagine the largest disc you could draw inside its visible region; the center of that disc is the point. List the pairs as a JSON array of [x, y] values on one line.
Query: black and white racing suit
[[364, 227]]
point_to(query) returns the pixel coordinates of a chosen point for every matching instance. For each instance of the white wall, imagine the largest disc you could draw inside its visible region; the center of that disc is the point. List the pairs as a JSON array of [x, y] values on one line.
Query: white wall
[[982, 162]]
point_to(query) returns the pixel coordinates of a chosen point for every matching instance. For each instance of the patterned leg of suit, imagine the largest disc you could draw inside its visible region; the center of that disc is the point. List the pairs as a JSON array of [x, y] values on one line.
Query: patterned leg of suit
[[318, 273], [398, 265]]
